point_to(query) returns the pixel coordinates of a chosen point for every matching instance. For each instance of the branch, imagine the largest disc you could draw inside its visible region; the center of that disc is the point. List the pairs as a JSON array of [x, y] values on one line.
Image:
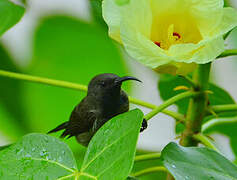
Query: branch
[[218, 121], [149, 170], [197, 106], [145, 157], [169, 102], [229, 52], [205, 141], [224, 108], [179, 117], [41, 80]]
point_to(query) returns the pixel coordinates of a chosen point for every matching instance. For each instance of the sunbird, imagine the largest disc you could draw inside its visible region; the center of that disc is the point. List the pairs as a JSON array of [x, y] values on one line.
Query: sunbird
[[104, 100]]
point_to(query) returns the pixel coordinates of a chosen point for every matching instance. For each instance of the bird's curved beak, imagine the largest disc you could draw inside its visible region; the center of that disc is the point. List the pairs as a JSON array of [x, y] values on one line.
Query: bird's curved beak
[[126, 78]]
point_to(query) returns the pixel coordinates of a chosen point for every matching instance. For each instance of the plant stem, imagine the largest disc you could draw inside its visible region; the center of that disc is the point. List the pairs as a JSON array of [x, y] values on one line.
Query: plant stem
[[218, 121], [80, 87], [224, 108], [41, 80], [179, 117], [228, 52], [197, 106], [170, 102], [205, 141], [145, 157], [190, 81], [149, 170]]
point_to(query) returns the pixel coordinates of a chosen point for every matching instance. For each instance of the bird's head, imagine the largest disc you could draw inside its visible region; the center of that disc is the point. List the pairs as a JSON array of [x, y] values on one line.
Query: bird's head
[[107, 84]]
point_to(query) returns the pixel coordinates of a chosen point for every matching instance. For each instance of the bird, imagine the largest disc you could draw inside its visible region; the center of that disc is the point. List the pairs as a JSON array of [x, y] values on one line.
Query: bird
[[104, 100]]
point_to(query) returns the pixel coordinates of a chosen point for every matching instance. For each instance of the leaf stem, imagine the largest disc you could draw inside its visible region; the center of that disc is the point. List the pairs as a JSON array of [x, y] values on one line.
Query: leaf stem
[[179, 117], [218, 121], [228, 52], [170, 102], [197, 106], [205, 141], [190, 81], [224, 108], [145, 157], [149, 170], [80, 87], [41, 80]]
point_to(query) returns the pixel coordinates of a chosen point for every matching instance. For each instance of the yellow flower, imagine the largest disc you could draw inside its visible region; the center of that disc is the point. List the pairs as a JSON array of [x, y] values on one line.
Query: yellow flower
[[170, 35]]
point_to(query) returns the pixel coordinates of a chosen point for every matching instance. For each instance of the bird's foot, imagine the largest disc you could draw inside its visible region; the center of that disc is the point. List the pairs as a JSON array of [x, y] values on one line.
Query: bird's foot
[[144, 125]]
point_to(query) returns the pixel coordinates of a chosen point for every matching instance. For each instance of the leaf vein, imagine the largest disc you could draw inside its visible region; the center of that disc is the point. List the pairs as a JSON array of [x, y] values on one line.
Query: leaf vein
[[105, 149], [209, 169], [53, 162]]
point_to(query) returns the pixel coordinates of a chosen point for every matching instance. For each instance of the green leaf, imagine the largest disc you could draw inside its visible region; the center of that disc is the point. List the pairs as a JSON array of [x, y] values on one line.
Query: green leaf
[[111, 151], [219, 96], [10, 14], [67, 49], [96, 7], [229, 129], [197, 163], [36, 156], [4, 147], [12, 113], [227, 3]]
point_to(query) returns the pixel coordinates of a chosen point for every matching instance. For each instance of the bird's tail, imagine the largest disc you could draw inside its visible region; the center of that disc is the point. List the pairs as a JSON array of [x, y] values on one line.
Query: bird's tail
[[60, 127]]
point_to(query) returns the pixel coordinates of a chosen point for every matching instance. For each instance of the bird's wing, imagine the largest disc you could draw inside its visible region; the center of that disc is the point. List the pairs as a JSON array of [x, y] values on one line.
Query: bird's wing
[[98, 123], [81, 120]]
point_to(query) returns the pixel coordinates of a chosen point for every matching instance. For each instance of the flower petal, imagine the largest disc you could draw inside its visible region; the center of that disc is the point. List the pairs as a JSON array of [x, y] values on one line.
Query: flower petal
[[208, 14], [138, 15], [209, 52], [228, 22], [136, 32], [176, 68], [203, 52], [141, 48], [112, 16]]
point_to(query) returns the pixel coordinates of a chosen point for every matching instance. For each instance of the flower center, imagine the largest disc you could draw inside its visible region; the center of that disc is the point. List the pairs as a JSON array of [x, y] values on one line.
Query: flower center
[[172, 38], [176, 28]]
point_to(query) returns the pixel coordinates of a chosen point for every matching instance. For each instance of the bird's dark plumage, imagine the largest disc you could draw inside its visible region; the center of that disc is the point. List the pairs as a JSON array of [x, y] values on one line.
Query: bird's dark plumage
[[104, 100]]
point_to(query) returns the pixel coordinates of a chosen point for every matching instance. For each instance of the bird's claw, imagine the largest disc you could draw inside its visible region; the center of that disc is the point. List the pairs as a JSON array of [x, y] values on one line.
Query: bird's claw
[[144, 125]]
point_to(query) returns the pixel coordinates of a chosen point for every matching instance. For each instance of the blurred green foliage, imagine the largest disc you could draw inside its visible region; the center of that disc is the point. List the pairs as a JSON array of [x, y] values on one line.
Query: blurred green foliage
[[97, 12], [140, 165], [66, 48], [10, 14], [11, 110], [12, 113]]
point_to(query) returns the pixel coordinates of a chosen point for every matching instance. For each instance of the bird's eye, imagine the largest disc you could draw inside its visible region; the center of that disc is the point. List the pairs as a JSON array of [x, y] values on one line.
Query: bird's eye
[[102, 83]]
